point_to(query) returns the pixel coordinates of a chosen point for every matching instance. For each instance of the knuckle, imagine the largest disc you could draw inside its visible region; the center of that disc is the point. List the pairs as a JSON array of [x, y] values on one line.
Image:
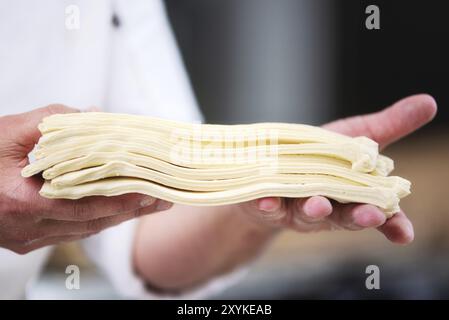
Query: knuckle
[[81, 211], [139, 212], [17, 224], [143, 211], [58, 108], [23, 237], [123, 206], [10, 203], [127, 204], [95, 225], [299, 224], [17, 236], [7, 121], [276, 219], [19, 205]]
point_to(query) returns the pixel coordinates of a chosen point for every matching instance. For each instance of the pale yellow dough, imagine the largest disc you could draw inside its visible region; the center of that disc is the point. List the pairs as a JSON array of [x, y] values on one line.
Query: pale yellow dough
[[87, 154]]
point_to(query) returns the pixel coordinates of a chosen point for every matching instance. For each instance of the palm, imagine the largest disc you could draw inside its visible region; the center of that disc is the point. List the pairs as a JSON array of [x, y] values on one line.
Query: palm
[[318, 213]]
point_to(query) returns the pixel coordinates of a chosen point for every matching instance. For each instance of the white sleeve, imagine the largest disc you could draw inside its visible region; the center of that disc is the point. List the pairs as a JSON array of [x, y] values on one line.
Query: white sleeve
[[112, 250], [146, 77]]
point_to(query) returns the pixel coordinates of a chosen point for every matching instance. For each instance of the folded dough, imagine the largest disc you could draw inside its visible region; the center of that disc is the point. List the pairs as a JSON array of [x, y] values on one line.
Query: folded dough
[[85, 154]]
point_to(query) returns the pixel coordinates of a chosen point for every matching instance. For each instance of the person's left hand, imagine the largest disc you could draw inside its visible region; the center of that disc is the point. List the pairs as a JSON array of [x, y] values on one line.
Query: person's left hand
[[319, 213]]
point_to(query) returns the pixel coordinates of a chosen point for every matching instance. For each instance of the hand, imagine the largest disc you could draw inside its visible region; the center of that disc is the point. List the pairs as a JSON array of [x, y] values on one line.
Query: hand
[[319, 213], [29, 221]]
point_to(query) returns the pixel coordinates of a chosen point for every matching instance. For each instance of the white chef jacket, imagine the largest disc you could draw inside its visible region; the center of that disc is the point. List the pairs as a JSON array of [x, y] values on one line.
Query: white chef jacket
[[132, 68]]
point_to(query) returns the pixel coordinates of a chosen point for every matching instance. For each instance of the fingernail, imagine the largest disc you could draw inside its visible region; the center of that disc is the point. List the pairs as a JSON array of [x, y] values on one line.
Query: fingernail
[[369, 217], [317, 207], [267, 206], [163, 205], [147, 201], [409, 235]]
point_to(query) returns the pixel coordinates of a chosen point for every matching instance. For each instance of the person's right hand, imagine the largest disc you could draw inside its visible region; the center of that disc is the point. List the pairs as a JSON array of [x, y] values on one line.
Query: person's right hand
[[319, 213], [29, 221]]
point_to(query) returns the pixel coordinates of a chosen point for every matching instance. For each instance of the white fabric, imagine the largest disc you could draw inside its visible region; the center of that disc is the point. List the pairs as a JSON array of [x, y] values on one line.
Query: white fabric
[[134, 68], [112, 251]]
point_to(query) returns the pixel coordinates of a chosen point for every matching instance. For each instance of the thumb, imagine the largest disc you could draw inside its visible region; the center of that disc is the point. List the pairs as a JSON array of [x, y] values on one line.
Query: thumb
[[92, 109], [390, 124], [26, 129]]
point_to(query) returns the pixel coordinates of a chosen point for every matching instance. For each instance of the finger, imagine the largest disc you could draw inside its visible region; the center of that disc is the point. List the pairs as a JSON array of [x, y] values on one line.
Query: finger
[[40, 243], [357, 216], [309, 214], [269, 210], [398, 229], [92, 109], [269, 205], [390, 124], [63, 228], [89, 208], [26, 131], [312, 209]]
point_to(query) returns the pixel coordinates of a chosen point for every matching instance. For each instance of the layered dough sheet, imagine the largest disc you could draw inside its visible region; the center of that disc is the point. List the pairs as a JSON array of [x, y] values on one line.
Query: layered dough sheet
[[86, 154]]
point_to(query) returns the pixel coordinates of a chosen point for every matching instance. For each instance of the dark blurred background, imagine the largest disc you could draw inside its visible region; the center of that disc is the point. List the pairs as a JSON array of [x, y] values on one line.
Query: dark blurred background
[[407, 55], [311, 61]]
